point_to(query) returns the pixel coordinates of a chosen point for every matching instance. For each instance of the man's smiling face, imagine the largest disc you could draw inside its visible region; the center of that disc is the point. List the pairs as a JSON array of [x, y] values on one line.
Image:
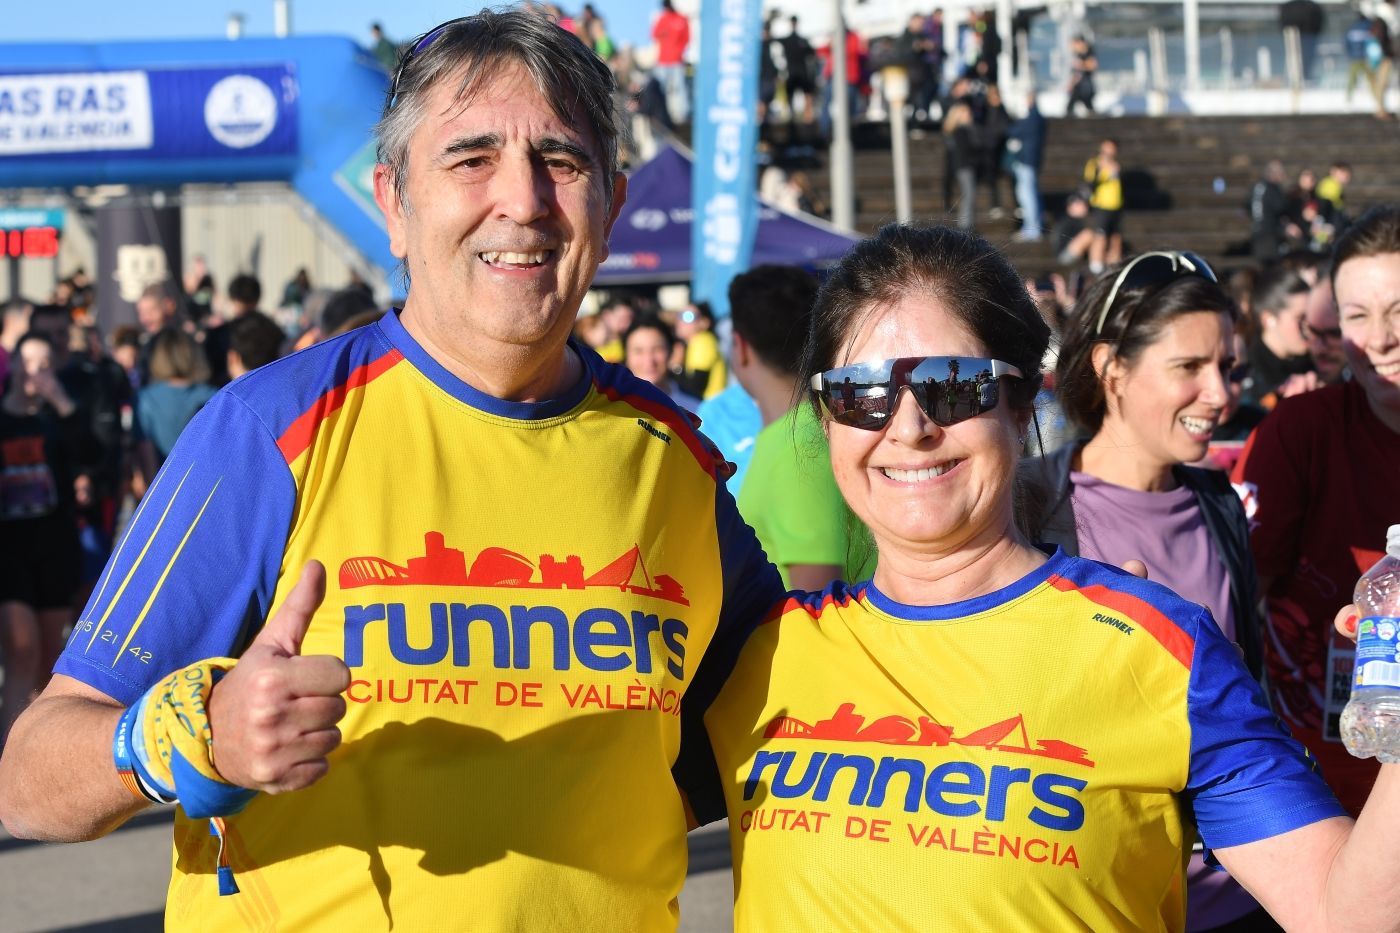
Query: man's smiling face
[[505, 213]]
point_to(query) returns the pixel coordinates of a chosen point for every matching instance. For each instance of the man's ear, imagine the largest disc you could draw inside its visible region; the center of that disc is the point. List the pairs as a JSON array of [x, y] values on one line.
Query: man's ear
[[386, 195], [619, 198], [739, 349]]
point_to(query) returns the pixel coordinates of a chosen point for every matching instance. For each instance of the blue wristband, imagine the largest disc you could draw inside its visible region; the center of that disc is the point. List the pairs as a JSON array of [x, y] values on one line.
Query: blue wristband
[[198, 794], [130, 770]]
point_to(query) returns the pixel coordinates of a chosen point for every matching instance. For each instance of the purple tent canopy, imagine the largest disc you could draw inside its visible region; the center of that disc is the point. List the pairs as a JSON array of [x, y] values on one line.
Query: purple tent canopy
[[651, 241]]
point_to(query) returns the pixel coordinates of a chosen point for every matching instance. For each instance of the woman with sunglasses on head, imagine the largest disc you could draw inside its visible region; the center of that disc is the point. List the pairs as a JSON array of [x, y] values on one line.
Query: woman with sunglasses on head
[[1144, 374], [987, 736]]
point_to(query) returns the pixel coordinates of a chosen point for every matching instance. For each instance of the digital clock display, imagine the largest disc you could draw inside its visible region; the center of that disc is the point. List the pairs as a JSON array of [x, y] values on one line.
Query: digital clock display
[[30, 243]]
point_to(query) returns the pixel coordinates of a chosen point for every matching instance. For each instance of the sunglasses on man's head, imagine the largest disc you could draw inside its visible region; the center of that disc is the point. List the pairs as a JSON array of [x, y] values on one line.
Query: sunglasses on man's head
[[1152, 270], [425, 40], [949, 389]]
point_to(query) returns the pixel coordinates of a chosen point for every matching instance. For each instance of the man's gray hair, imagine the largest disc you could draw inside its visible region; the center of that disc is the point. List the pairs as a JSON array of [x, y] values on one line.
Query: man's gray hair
[[565, 70]]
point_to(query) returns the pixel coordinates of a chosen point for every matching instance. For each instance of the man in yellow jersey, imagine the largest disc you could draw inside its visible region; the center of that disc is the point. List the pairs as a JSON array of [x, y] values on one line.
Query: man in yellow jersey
[[501, 577]]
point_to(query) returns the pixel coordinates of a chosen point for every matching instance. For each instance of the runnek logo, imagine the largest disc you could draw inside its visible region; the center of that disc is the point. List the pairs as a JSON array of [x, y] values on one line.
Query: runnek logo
[[951, 788]]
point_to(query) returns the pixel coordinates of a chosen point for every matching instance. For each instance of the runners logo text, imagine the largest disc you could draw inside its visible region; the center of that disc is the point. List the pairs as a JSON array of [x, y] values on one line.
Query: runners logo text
[[1048, 797], [479, 633]]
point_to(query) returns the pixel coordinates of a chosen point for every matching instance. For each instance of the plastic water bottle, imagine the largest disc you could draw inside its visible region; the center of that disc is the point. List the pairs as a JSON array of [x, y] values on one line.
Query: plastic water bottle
[[1371, 720]]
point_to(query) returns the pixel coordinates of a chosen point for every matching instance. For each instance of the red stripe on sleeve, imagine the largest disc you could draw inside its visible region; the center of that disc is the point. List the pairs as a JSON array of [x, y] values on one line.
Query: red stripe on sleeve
[[302, 431], [1178, 644]]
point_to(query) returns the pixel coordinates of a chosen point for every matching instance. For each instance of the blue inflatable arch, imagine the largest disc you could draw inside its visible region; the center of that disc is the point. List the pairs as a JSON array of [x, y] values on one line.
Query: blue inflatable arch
[[162, 114]]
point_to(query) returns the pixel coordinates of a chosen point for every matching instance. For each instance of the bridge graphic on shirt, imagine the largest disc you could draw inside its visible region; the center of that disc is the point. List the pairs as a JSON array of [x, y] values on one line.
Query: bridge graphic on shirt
[[846, 725], [440, 565]]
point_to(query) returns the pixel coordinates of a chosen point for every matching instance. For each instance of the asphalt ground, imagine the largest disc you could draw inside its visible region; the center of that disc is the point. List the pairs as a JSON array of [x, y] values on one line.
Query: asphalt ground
[[117, 884]]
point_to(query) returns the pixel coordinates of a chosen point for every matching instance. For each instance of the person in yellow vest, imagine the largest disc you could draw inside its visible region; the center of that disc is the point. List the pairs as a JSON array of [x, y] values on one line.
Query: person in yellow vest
[[705, 372], [1103, 175], [1333, 189], [616, 316]]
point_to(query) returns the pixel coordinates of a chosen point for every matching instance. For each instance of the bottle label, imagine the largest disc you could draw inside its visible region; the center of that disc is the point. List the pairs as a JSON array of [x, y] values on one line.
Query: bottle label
[[1377, 653]]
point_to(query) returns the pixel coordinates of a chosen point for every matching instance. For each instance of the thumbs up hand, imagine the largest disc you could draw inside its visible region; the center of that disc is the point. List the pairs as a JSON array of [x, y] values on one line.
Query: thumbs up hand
[[274, 715]]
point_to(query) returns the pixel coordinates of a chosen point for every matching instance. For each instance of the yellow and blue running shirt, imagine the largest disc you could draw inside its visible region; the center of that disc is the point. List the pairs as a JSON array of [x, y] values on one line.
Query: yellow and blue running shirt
[[523, 594], [1032, 759]]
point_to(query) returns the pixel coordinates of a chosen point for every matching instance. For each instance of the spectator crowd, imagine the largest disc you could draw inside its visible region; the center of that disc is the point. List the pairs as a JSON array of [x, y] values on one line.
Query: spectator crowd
[[87, 419], [1233, 428]]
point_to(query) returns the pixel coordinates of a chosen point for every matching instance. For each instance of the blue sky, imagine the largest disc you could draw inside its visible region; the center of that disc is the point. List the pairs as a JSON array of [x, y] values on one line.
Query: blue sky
[[105, 20]]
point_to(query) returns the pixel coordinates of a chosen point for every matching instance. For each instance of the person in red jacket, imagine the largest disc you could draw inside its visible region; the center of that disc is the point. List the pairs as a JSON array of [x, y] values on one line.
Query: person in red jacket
[[671, 33], [855, 62], [1318, 477]]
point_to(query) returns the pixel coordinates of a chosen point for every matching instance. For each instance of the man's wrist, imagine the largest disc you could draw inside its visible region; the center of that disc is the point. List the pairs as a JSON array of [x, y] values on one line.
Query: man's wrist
[[130, 770], [163, 746]]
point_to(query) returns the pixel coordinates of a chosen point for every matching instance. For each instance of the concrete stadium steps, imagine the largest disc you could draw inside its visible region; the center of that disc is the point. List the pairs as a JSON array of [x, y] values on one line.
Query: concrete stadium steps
[[1170, 167]]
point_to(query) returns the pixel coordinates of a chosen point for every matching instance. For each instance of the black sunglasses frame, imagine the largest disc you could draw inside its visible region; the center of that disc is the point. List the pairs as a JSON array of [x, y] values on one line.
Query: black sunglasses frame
[[1152, 270], [419, 44], [863, 395]]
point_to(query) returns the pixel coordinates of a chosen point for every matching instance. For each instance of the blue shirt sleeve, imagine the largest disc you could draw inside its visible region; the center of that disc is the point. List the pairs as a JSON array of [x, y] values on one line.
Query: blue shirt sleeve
[[1249, 780], [751, 588], [195, 571]]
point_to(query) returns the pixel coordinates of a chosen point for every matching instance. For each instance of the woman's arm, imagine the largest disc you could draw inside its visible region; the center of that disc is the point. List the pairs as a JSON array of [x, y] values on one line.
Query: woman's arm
[[1333, 874], [1323, 876]]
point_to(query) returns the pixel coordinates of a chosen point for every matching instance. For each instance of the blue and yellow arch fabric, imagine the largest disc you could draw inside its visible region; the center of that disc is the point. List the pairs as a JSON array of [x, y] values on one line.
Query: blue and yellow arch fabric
[[524, 594], [1037, 758]]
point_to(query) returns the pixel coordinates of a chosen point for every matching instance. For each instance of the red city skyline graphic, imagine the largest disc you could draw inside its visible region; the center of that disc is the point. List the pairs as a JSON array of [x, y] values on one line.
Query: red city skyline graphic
[[440, 565], [846, 725]]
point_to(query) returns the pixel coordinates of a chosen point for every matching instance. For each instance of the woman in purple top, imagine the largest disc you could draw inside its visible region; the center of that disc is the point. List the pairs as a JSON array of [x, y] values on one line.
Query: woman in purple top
[[1142, 373]]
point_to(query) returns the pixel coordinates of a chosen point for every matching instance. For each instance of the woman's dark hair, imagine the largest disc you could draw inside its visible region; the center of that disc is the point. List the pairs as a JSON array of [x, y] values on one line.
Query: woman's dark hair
[[31, 336], [968, 275], [651, 322], [1376, 233], [1135, 322]]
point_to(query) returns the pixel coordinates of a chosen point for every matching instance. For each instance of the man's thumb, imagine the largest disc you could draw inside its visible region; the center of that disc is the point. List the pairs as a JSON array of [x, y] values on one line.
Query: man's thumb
[[287, 627]]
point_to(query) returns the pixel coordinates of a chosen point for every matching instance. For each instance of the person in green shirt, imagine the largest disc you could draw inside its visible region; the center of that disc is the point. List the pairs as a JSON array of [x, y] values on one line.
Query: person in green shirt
[[384, 51], [789, 496]]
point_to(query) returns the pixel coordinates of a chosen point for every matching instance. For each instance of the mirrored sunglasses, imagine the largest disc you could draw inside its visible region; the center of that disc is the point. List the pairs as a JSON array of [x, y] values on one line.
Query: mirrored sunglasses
[[948, 389]]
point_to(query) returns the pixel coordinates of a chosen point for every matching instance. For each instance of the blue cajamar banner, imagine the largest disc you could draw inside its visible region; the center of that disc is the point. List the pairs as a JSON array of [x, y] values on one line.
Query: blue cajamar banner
[[726, 136]]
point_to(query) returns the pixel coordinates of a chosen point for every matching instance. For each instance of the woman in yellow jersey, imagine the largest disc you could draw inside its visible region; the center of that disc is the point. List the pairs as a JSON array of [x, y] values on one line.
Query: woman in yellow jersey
[[987, 735], [1103, 176]]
